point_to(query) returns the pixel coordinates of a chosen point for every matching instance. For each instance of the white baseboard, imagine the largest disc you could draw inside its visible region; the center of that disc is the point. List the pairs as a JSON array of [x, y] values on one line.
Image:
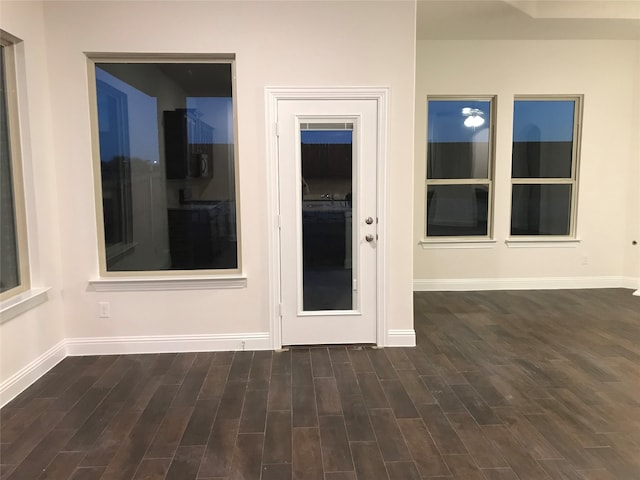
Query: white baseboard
[[401, 338], [544, 283], [22, 379], [169, 344]]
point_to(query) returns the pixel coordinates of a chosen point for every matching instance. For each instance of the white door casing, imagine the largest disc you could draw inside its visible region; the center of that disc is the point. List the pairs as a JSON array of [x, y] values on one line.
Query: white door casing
[[367, 110]]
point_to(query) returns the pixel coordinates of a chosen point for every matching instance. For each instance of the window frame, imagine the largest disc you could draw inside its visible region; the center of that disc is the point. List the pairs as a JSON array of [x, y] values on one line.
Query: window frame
[[573, 181], [9, 43], [160, 279], [489, 181]]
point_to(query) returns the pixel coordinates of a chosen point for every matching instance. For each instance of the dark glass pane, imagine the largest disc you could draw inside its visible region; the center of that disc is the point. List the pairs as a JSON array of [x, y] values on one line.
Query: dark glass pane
[[542, 138], [9, 270], [457, 210], [458, 139], [327, 172], [540, 209], [167, 162]]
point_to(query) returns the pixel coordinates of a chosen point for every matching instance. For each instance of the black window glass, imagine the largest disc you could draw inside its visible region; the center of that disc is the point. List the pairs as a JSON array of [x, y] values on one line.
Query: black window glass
[[9, 266], [457, 210], [166, 133], [458, 139], [540, 209], [543, 138]]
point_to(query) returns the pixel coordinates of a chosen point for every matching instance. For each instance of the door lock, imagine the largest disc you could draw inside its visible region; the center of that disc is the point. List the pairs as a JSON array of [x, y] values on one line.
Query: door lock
[[368, 220], [369, 238]]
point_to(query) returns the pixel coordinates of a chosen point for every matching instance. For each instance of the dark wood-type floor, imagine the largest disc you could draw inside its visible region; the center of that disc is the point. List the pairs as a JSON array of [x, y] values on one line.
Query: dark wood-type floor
[[503, 385]]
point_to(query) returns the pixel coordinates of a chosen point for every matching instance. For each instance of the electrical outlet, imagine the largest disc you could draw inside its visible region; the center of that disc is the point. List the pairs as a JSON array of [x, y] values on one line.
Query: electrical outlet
[[585, 260], [104, 309]]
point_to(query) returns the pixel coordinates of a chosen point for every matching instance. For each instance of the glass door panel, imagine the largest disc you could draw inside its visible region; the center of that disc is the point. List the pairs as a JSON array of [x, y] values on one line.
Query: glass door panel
[[327, 206]]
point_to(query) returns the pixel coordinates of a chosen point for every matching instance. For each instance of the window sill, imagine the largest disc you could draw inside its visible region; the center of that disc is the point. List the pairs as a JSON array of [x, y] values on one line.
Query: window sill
[[22, 303], [458, 243], [542, 242], [166, 284]]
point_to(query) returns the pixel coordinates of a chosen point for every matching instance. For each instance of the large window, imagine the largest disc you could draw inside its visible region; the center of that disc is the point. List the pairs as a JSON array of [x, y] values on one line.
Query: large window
[[544, 166], [459, 167], [166, 165], [14, 265]]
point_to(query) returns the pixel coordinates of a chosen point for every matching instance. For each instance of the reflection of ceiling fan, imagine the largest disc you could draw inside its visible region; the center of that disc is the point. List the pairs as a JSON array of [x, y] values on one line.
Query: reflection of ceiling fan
[[474, 117]]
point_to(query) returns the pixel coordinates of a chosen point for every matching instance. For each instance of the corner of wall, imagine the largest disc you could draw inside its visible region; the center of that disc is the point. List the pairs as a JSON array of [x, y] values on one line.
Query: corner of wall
[[31, 339], [27, 375]]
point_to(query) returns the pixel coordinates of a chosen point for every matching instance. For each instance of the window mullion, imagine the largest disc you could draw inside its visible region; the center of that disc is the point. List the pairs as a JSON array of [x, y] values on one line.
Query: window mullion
[[459, 181], [542, 181]]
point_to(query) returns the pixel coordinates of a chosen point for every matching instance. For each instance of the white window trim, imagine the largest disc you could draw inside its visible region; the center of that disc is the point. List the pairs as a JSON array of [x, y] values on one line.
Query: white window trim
[[545, 241], [554, 240], [475, 241], [140, 284], [22, 302], [160, 280], [457, 242], [9, 41]]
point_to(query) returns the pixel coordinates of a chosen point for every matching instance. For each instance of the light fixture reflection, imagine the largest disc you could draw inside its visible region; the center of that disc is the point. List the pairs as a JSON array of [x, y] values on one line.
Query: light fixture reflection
[[474, 121], [474, 117]]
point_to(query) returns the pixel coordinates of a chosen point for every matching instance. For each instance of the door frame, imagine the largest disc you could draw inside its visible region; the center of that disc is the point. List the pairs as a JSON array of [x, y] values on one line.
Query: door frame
[[272, 96]]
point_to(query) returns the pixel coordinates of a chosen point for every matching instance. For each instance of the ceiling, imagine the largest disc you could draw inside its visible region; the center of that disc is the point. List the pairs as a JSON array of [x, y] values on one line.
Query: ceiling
[[528, 19]]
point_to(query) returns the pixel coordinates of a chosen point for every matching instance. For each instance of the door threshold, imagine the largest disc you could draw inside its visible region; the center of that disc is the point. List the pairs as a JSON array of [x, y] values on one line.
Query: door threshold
[[348, 346]]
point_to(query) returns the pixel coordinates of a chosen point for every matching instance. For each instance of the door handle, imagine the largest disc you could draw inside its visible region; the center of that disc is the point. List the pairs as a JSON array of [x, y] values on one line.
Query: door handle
[[368, 220], [369, 238]]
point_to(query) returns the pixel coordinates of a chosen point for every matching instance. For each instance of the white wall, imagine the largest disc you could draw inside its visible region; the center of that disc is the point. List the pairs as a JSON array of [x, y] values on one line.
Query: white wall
[[606, 73], [276, 44], [29, 336]]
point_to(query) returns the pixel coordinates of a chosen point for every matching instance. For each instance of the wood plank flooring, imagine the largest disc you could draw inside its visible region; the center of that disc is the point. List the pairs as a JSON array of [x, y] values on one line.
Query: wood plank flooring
[[521, 385]]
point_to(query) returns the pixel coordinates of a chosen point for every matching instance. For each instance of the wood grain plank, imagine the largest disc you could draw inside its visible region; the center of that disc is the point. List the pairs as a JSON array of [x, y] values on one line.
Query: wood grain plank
[[381, 364], [478, 445], [153, 469], [402, 471], [246, 464], [279, 392], [307, 454], [169, 434], [336, 454], [441, 430], [425, 453], [277, 443], [399, 399], [199, 426], [216, 461], [260, 372], [368, 461], [463, 466], [185, 463], [61, 467], [321, 363], [371, 389], [254, 412], [390, 439], [327, 396], [276, 472]]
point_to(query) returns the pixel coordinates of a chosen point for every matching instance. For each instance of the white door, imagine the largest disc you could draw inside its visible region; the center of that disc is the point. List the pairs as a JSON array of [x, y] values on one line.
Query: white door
[[327, 164]]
